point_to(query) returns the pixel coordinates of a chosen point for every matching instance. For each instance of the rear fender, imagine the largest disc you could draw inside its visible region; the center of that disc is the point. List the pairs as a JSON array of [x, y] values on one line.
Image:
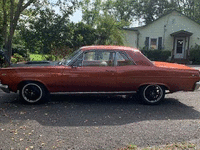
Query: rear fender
[[153, 83]]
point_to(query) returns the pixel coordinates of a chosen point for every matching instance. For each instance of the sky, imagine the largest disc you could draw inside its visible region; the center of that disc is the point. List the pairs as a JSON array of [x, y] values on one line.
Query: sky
[[76, 17]]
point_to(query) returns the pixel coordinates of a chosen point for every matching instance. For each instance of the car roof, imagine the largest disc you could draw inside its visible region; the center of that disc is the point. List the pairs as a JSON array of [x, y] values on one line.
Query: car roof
[[108, 47]]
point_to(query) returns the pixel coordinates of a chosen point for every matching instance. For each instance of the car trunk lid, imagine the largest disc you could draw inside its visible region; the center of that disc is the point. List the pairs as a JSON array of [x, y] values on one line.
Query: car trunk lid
[[172, 65]]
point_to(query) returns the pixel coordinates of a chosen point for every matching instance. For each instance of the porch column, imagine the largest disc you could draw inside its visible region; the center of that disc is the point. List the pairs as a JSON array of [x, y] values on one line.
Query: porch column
[[172, 53], [188, 49]]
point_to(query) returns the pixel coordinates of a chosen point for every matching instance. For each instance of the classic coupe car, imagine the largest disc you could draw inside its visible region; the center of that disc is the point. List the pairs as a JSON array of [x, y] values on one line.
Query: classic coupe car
[[99, 70]]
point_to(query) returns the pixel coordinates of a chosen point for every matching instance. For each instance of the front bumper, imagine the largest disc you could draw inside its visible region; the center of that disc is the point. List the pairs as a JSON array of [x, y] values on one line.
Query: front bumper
[[4, 88], [197, 85]]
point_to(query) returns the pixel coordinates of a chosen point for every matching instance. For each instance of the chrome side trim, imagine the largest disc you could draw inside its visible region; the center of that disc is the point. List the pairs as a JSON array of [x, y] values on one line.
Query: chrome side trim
[[197, 85], [4, 88], [120, 92]]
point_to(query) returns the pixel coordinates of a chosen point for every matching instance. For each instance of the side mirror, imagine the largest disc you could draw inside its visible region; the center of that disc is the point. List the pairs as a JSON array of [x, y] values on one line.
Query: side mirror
[[72, 66], [75, 65]]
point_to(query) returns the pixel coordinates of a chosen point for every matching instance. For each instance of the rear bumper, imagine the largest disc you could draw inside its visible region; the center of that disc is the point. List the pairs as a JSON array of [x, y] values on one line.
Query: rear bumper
[[197, 85], [4, 88]]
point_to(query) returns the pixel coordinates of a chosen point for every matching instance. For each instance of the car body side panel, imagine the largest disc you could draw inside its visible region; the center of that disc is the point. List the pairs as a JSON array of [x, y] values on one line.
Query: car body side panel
[[84, 79], [49, 76], [132, 77], [104, 78]]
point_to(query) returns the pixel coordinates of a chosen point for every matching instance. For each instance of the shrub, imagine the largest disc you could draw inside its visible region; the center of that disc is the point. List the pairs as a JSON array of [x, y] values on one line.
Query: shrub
[[50, 57], [17, 58], [20, 50], [157, 55], [60, 52], [195, 54], [13, 60]]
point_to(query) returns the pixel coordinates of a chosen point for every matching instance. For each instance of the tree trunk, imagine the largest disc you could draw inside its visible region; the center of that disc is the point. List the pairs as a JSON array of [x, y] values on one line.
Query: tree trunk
[[8, 45], [5, 21], [14, 17]]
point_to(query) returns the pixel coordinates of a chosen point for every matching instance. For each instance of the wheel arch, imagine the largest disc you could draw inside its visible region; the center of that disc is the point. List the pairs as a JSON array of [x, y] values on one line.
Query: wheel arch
[[160, 84], [20, 85], [155, 93]]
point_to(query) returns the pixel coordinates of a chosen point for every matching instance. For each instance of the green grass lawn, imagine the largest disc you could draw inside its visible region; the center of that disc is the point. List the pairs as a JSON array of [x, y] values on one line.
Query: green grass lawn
[[175, 146], [37, 57]]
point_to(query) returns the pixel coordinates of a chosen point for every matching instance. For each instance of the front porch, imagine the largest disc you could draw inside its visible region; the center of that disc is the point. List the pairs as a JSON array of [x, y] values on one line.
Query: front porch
[[181, 47]]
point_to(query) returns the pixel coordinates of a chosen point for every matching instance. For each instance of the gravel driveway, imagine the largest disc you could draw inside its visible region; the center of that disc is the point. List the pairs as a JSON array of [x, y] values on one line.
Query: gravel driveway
[[97, 122]]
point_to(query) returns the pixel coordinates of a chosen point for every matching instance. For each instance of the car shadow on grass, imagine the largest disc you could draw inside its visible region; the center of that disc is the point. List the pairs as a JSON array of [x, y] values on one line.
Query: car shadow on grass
[[94, 110]]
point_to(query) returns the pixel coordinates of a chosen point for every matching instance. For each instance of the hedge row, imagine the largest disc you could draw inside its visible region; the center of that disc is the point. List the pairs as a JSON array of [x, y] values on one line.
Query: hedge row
[[157, 55], [154, 55], [195, 55]]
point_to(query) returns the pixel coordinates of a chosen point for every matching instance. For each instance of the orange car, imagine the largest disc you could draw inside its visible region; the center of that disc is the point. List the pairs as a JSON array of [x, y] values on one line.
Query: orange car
[[99, 70]]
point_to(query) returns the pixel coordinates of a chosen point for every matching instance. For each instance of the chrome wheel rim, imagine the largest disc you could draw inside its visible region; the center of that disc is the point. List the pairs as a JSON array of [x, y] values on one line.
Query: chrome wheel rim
[[153, 93], [32, 92]]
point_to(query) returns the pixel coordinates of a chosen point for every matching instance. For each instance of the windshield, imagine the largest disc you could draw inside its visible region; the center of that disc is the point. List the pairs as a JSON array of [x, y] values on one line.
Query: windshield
[[68, 58]]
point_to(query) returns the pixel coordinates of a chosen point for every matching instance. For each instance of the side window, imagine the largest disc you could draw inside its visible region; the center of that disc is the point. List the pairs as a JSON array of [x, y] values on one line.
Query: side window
[[89, 56], [99, 58], [123, 60], [78, 62]]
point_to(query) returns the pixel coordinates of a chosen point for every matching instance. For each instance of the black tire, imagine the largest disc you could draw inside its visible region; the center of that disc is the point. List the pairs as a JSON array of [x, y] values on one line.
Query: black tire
[[152, 94], [32, 93]]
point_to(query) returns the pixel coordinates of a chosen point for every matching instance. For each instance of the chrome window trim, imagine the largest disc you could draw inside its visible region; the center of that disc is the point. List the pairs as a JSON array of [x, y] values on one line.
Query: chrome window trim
[[124, 52], [92, 50]]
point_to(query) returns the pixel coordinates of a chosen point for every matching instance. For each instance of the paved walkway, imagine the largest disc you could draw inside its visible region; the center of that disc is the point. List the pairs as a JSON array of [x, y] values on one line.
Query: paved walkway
[[194, 66]]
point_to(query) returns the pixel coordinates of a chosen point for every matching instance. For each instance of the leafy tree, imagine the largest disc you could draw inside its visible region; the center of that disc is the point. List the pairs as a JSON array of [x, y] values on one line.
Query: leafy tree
[[11, 10], [91, 11], [11, 14], [190, 8], [123, 11], [109, 31], [149, 10], [100, 16], [84, 34], [47, 30]]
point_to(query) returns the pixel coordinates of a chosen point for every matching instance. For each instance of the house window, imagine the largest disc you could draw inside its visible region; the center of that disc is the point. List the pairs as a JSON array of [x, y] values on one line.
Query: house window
[[153, 43]]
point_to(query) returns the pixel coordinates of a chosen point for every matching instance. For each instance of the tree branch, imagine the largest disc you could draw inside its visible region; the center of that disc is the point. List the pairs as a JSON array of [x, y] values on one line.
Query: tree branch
[[27, 4]]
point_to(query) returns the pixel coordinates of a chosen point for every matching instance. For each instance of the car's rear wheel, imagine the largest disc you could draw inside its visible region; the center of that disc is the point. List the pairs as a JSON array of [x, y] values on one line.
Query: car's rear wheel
[[31, 92], [152, 94]]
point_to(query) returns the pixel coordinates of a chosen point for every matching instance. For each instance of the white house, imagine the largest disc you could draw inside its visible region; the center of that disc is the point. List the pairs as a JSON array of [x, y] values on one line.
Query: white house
[[173, 31]]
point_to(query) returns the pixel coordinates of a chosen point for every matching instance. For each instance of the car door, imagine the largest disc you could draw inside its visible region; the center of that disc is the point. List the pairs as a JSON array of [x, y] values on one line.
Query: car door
[[129, 75], [92, 71]]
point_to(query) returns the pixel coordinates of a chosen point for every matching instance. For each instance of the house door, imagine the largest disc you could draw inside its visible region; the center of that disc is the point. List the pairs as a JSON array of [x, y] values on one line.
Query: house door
[[179, 48]]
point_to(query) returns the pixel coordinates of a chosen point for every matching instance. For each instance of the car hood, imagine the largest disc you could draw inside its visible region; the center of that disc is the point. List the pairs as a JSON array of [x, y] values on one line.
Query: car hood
[[172, 65], [35, 63]]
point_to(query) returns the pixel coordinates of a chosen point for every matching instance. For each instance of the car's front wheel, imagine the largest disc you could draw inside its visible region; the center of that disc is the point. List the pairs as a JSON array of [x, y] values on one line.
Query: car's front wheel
[[152, 94], [32, 92]]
